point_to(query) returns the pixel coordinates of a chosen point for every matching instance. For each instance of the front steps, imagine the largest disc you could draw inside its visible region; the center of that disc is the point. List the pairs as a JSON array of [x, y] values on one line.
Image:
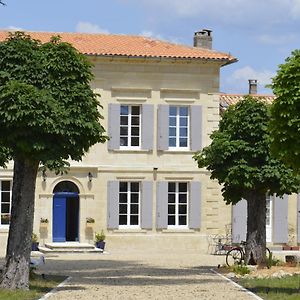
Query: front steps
[[69, 247]]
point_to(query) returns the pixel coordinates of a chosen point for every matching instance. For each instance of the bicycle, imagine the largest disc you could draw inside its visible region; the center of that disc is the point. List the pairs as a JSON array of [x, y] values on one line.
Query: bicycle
[[236, 255]]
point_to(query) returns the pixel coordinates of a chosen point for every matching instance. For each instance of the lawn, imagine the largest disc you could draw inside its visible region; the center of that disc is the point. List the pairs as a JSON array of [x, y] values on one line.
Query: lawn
[[287, 288], [38, 287]]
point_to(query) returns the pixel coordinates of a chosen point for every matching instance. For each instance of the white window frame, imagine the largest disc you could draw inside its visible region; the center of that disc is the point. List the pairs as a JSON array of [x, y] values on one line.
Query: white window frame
[[10, 202], [269, 227], [177, 226], [128, 226], [129, 125], [177, 147]]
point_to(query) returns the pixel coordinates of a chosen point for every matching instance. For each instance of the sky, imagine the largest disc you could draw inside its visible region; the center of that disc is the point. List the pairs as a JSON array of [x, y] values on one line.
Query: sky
[[260, 33]]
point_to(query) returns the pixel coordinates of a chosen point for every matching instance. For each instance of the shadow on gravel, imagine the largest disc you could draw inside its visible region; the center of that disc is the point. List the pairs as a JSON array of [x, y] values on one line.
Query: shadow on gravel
[[127, 273]]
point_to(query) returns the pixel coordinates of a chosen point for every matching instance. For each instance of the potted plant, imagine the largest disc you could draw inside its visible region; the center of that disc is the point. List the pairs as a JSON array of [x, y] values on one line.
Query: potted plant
[[90, 221], [44, 222], [34, 242], [99, 239]]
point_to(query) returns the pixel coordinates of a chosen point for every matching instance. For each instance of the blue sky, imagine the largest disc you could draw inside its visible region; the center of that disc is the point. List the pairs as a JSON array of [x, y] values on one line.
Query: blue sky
[[260, 33]]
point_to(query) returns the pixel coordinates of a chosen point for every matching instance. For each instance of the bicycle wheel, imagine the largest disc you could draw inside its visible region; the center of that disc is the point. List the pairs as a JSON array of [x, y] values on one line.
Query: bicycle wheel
[[268, 253], [234, 257]]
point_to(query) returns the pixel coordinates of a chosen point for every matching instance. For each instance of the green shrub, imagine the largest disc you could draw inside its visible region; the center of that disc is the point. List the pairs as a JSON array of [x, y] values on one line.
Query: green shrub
[[240, 269]]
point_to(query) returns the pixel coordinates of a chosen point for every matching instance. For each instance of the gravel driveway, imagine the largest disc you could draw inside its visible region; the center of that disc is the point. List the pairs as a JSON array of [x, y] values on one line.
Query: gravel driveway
[[141, 276]]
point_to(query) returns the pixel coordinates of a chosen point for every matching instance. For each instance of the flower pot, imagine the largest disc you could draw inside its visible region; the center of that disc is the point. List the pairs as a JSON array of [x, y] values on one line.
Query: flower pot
[[44, 225], [35, 246], [100, 245], [90, 225]]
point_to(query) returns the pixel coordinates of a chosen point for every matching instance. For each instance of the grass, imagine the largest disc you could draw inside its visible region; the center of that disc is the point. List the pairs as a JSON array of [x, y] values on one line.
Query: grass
[[287, 288], [37, 287]]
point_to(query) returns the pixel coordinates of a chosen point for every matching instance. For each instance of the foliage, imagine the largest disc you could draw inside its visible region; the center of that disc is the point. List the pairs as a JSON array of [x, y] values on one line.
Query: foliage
[[239, 269], [99, 237], [239, 155], [48, 112], [285, 120], [34, 238], [90, 220], [44, 220]]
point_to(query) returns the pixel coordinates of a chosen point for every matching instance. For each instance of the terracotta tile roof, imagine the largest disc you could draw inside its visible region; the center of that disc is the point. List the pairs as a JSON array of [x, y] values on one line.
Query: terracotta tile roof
[[229, 99], [125, 45]]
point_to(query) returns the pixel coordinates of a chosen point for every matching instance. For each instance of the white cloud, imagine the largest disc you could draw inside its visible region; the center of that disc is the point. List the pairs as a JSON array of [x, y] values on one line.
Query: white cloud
[[277, 39], [157, 36], [295, 9], [14, 28], [240, 77], [87, 27]]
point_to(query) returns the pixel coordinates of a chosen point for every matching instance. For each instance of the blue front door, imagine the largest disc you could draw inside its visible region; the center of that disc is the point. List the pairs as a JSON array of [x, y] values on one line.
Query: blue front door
[[60, 215]]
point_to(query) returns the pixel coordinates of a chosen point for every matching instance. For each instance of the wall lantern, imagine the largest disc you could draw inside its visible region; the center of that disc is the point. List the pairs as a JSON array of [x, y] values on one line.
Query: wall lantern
[[44, 175], [90, 176]]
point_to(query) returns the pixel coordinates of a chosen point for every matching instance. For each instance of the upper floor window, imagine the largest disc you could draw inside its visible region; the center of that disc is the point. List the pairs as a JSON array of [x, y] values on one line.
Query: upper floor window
[[178, 127], [130, 126], [129, 204], [5, 200], [177, 204]]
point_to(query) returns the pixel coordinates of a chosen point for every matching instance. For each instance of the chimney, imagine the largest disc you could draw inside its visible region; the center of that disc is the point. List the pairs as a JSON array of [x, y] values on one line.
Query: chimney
[[252, 86], [203, 39]]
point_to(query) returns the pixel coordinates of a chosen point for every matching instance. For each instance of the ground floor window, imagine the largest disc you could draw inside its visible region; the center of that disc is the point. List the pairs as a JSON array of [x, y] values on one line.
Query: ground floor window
[[269, 218], [5, 200], [178, 204], [129, 204]]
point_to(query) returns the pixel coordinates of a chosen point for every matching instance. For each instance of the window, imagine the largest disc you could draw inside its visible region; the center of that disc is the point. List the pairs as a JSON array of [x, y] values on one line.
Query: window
[[178, 127], [130, 126], [269, 218], [177, 204], [5, 200], [129, 204]]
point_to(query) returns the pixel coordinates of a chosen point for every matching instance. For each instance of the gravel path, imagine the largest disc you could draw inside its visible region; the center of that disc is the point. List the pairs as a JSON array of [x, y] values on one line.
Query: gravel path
[[141, 276]]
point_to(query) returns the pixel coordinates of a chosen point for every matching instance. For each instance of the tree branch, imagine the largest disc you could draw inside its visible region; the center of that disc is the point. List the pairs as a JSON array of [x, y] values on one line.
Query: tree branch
[[2, 3]]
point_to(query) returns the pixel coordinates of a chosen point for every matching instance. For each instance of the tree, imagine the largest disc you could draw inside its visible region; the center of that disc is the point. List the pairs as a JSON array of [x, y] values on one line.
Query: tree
[[239, 158], [48, 114], [285, 112]]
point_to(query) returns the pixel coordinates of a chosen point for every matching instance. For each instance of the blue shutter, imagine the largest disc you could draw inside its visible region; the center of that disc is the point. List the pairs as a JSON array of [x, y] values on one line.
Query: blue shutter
[[239, 221], [147, 126], [146, 203], [113, 126], [195, 205], [113, 204], [162, 205], [196, 128], [163, 127], [280, 220]]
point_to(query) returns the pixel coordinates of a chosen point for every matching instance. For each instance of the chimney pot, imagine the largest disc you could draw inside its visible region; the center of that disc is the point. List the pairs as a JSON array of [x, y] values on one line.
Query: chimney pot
[[203, 39], [252, 86]]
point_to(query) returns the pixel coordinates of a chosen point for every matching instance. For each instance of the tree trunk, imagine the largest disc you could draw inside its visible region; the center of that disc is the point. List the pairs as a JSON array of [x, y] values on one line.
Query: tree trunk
[[256, 229], [16, 270]]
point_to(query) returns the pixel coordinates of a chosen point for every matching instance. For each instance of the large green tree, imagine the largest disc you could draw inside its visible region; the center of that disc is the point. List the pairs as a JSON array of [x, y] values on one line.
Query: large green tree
[[239, 158], [48, 114], [285, 112]]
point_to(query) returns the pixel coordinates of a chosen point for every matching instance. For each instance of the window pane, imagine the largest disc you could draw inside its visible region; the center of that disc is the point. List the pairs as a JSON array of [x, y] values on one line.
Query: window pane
[[182, 187], [124, 121], [123, 208], [135, 110], [171, 209], [135, 120], [124, 109], [123, 130], [183, 142], [123, 197], [183, 111], [172, 131], [172, 142], [183, 121], [134, 209], [183, 132], [134, 220], [182, 209], [182, 198], [123, 141], [134, 198], [5, 197], [135, 141], [171, 186], [5, 185], [134, 186], [135, 131], [171, 220], [123, 220], [171, 198], [182, 220], [5, 219], [172, 110], [172, 121], [5, 208], [123, 186]]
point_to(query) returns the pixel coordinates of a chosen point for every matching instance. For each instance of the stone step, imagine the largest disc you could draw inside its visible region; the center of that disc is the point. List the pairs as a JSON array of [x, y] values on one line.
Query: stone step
[[69, 247]]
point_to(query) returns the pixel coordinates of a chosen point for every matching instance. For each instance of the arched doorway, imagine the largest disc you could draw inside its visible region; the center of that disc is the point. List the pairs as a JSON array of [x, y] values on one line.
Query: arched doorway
[[65, 212]]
